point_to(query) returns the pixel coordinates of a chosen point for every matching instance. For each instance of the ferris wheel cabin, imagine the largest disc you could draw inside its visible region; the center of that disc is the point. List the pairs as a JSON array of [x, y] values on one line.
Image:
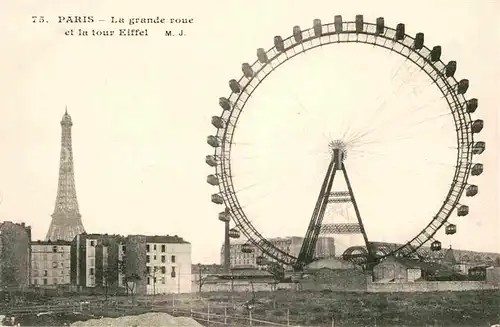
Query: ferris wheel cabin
[[213, 141], [234, 233], [451, 229], [211, 161], [218, 122], [478, 147], [224, 104], [212, 180], [217, 199], [246, 248], [224, 216], [477, 125], [477, 169], [234, 86], [471, 105], [247, 70], [463, 210], [450, 69], [436, 246], [260, 260], [471, 190]]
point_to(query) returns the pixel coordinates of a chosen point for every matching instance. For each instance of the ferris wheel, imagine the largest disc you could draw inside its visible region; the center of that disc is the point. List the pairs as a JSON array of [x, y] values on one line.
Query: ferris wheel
[[425, 61]]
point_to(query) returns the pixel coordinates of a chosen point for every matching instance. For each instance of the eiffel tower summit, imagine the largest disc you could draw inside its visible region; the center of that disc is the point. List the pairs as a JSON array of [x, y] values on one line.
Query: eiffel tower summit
[[66, 220]]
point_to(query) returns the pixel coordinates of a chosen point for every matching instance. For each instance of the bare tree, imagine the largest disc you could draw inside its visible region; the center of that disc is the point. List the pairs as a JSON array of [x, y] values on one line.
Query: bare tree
[[111, 274], [201, 278]]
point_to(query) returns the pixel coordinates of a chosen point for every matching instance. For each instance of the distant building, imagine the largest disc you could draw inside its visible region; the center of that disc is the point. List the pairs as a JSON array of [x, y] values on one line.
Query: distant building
[[50, 263], [15, 250], [397, 270], [325, 247], [201, 272], [142, 264]]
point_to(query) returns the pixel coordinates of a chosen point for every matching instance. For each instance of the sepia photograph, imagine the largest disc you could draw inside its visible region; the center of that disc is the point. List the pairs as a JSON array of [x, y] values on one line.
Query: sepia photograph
[[230, 163]]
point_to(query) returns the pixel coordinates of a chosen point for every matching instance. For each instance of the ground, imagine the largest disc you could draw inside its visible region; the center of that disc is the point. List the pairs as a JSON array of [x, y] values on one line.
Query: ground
[[471, 308]]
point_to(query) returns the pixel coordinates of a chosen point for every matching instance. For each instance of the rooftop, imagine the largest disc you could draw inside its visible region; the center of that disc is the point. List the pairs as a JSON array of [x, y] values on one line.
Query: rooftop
[[165, 239], [49, 242]]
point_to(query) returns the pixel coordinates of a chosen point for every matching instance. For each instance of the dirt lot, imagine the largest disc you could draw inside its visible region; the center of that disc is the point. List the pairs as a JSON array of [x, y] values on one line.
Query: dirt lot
[[474, 308]]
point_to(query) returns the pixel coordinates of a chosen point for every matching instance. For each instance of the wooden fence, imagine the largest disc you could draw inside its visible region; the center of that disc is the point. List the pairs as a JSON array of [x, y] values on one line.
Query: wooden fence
[[210, 317]]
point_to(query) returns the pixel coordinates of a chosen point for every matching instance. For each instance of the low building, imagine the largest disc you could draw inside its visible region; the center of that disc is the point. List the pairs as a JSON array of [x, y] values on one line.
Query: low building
[[50, 263], [397, 270], [200, 273], [246, 279], [325, 247], [15, 264]]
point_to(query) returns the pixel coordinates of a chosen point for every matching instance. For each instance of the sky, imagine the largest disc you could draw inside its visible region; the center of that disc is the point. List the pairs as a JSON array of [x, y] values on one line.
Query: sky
[[141, 109]]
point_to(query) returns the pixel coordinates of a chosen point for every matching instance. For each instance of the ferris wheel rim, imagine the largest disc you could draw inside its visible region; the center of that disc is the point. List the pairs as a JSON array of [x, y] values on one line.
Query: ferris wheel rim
[[455, 101]]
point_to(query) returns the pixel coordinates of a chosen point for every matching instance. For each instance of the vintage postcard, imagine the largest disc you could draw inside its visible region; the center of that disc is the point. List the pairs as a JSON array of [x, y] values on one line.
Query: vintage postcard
[[249, 163]]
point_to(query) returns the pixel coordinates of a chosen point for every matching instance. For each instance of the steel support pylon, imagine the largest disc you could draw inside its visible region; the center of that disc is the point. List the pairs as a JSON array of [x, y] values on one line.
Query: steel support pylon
[[308, 248]]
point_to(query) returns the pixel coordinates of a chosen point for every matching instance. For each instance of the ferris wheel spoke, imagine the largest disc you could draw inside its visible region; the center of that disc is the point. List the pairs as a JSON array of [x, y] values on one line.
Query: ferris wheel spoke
[[401, 115], [401, 126], [412, 91]]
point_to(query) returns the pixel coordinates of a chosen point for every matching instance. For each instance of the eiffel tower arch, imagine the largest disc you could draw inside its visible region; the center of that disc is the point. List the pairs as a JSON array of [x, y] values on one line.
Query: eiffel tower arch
[[66, 220]]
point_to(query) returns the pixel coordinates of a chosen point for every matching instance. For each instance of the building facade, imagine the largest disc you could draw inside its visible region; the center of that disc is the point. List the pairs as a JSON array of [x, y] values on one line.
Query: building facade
[[15, 264], [50, 263], [325, 247], [138, 264], [168, 265], [95, 260]]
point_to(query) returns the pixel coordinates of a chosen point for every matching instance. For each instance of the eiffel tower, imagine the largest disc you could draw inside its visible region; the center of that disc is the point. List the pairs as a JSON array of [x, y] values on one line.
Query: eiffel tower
[[66, 220]]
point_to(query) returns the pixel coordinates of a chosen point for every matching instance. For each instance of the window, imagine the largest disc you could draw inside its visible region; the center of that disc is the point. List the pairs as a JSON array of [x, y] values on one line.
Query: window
[[172, 274], [92, 243], [163, 259], [162, 280], [54, 281], [147, 259], [54, 265], [154, 257], [148, 270], [163, 270], [154, 247], [172, 259], [54, 249], [149, 281], [45, 273], [163, 248], [147, 247], [45, 281], [91, 272]]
